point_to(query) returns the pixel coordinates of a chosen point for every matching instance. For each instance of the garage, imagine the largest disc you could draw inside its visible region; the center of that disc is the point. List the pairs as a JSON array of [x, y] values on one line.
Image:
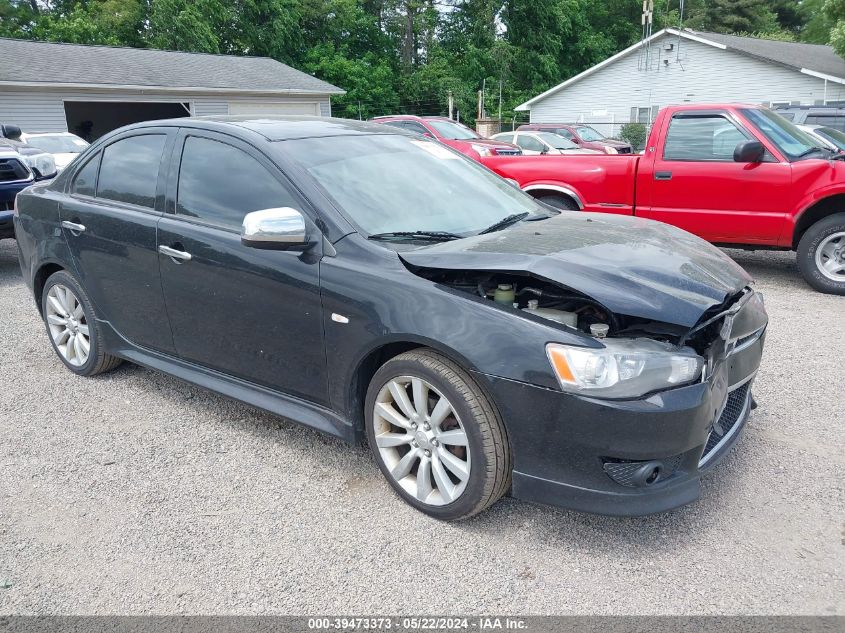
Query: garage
[[91, 90], [311, 108], [92, 119]]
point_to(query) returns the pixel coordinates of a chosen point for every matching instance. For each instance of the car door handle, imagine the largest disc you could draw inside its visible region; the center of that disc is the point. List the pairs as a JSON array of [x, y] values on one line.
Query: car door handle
[[663, 175], [174, 254], [73, 227]]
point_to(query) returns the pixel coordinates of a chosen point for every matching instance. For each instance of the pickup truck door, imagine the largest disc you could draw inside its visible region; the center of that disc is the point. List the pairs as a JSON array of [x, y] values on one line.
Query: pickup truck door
[[689, 179]]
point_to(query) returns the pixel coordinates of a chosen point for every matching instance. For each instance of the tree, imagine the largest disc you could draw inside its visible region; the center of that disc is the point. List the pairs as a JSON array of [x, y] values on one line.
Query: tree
[[735, 16]]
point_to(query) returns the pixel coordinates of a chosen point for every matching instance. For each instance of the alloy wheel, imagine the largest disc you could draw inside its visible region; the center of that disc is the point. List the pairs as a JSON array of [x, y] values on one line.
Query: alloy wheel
[[830, 257], [68, 325], [421, 440]]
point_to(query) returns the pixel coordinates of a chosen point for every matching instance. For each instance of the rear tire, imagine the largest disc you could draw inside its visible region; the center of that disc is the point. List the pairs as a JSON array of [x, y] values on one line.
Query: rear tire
[[561, 202], [446, 453], [72, 326], [821, 255]]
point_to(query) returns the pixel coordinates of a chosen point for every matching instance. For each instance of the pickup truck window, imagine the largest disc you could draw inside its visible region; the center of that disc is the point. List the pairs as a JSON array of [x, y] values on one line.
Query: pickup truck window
[[790, 140], [710, 137]]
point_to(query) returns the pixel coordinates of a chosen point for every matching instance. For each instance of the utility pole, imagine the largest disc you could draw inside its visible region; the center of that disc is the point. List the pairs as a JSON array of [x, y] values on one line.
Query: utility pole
[[451, 105], [480, 104], [500, 99]]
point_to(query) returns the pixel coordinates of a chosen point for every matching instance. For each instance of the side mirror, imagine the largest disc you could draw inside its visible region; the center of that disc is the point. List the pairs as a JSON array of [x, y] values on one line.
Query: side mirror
[[545, 150], [749, 152], [281, 228], [11, 131], [40, 176]]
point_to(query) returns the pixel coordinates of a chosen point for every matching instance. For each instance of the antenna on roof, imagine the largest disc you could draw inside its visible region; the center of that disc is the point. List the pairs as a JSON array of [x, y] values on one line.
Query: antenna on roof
[[680, 28], [647, 24]]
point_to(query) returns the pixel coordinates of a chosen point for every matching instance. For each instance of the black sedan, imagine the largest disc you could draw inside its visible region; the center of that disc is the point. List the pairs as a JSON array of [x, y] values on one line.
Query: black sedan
[[381, 287]]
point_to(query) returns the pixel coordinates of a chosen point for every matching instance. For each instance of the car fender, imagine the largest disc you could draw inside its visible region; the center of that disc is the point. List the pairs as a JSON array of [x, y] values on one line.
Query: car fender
[[807, 202]]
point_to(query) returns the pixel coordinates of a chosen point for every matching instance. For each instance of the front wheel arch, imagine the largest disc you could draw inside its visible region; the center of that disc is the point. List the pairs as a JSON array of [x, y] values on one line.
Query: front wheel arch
[[547, 192]]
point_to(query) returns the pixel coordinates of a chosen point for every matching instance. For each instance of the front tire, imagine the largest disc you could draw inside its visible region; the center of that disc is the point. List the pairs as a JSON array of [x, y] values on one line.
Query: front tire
[[72, 326], [436, 437], [821, 255]]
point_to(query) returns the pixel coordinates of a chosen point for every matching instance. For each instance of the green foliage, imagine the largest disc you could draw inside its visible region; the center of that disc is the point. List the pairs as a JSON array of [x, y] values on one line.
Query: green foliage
[[409, 55], [635, 134], [736, 16]]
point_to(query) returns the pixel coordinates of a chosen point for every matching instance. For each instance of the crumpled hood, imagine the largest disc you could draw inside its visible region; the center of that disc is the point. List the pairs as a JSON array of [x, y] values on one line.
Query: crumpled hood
[[632, 266]]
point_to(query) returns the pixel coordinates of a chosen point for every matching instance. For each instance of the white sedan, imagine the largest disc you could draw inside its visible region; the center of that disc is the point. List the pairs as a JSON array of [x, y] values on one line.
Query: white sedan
[[64, 146], [542, 143]]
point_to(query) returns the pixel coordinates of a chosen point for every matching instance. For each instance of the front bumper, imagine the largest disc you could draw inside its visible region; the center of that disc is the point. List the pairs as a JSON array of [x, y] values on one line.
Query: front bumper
[[8, 191], [590, 455]]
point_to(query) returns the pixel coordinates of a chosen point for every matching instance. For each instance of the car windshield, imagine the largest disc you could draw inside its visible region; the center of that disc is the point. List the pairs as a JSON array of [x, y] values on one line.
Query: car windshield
[[58, 143], [390, 183], [556, 140], [793, 142], [834, 136], [451, 130], [588, 134]]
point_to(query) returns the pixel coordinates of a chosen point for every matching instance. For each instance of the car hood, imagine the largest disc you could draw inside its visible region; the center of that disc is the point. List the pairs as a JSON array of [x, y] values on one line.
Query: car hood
[[488, 142], [632, 266], [613, 143]]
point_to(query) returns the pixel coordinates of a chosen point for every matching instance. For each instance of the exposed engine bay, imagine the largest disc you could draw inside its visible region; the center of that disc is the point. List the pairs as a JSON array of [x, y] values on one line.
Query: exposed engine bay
[[539, 298]]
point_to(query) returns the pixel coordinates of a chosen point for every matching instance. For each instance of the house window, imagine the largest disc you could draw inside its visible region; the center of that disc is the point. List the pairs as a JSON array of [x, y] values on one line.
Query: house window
[[644, 115]]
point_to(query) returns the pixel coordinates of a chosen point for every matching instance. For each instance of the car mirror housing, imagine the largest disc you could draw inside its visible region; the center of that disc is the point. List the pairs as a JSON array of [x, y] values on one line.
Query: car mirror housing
[[278, 228], [749, 152]]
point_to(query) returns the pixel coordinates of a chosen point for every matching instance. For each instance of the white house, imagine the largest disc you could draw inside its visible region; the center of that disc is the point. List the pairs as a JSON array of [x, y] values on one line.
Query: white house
[[47, 87], [673, 67]]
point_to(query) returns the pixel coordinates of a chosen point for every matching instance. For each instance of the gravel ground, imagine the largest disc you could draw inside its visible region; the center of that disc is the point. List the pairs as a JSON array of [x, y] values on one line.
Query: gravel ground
[[134, 493]]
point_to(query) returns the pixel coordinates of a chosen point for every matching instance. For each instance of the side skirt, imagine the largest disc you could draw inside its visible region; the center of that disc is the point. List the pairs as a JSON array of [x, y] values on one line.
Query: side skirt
[[277, 403]]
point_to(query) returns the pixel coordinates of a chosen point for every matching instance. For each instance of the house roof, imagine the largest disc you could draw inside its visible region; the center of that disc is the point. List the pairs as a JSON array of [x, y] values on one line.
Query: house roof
[[30, 63], [817, 60]]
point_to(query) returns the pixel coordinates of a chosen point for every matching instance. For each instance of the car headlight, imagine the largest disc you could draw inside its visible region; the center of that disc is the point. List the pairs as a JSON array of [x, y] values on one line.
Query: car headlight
[[610, 150], [482, 150], [623, 368]]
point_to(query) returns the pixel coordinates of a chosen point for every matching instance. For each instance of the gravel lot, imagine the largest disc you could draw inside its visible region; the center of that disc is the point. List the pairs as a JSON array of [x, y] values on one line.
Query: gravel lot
[[135, 493]]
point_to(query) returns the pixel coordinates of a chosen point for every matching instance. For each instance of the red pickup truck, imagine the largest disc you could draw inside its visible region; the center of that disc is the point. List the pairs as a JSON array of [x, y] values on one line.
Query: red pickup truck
[[735, 175]]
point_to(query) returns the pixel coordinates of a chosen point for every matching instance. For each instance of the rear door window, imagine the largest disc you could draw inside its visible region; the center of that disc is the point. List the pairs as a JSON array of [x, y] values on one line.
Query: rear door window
[[220, 184], [129, 170], [529, 143], [85, 182]]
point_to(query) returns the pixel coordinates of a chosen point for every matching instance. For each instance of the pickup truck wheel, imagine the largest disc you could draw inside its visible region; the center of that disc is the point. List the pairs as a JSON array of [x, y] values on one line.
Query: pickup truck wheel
[[564, 203], [437, 438], [821, 255]]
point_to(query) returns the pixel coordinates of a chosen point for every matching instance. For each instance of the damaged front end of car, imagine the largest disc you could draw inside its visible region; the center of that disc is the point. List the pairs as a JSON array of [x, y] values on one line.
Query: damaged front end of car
[[656, 382]]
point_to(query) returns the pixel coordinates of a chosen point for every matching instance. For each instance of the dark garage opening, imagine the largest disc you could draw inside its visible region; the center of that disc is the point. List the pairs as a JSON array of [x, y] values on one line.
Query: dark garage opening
[[92, 119]]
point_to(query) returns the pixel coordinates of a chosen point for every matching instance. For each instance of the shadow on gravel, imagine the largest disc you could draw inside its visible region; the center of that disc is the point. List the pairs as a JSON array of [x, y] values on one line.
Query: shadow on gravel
[[778, 267], [10, 270]]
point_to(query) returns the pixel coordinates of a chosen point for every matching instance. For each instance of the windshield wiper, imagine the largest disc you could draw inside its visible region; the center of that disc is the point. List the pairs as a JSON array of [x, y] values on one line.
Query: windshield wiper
[[434, 236], [504, 222], [809, 151]]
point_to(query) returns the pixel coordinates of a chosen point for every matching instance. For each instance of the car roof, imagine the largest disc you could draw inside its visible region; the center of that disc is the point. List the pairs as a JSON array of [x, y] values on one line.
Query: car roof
[[275, 128], [48, 134]]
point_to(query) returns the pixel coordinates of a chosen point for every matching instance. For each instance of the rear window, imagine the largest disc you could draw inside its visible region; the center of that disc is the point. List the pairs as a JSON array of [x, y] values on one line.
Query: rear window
[[129, 171], [829, 120]]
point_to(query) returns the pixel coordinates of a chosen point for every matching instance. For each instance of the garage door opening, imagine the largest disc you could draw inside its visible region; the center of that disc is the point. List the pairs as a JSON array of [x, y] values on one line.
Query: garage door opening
[[92, 119]]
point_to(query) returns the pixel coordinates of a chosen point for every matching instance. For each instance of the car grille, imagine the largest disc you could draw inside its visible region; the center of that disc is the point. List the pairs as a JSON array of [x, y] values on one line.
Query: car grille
[[508, 152], [7, 205], [728, 423], [11, 169]]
